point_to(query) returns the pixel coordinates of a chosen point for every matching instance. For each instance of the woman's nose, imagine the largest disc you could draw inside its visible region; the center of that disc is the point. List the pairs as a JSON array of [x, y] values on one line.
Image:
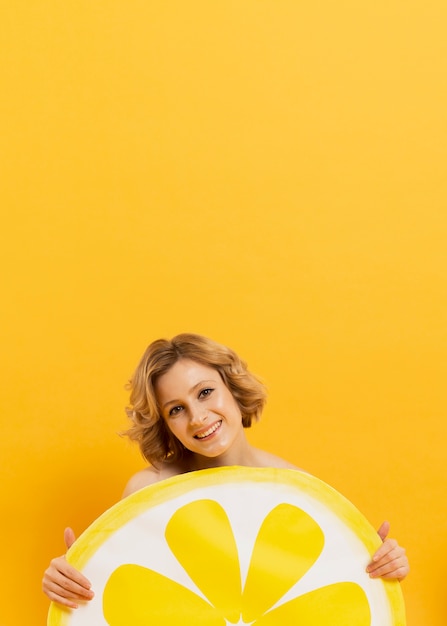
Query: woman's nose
[[198, 415]]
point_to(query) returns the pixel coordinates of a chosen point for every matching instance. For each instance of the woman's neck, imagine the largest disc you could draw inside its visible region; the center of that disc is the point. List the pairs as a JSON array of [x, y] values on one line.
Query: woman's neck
[[245, 456]]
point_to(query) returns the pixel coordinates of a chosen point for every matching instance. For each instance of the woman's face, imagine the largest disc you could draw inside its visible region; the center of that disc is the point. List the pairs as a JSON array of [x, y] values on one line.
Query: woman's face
[[198, 408]]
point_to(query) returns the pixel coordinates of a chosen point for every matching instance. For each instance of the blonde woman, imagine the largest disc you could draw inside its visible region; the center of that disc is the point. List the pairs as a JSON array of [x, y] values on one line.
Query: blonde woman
[[191, 400]]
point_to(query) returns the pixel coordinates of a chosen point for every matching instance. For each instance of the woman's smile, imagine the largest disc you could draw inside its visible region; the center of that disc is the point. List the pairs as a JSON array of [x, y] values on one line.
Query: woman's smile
[[209, 431]]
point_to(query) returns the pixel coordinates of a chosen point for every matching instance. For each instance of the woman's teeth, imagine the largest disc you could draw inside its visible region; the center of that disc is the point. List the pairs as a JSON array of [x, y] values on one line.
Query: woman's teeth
[[209, 432]]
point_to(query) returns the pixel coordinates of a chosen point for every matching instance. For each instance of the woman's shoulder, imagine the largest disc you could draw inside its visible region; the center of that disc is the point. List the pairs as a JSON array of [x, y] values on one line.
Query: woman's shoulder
[[143, 478], [151, 475], [266, 459]]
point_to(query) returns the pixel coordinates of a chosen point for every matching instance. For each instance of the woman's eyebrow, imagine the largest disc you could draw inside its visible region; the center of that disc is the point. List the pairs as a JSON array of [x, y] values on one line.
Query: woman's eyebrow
[[193, 388]]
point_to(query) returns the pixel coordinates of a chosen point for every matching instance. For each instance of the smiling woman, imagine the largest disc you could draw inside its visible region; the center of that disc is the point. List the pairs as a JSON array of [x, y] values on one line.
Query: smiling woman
[[185, 374], [190, 403]]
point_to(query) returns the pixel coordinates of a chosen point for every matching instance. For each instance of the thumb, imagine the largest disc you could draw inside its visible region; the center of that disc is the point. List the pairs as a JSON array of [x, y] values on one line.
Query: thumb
[[69, 537], [384, 530]]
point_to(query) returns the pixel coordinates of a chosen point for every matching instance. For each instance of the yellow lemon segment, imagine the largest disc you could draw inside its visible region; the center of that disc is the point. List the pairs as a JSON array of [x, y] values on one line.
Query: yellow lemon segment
[[288, 544], [136, 596], [341, 604], [200, 536]]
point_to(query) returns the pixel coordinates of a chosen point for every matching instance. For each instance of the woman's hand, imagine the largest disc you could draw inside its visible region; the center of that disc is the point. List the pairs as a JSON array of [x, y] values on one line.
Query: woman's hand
[[390, 561], [63, 583]]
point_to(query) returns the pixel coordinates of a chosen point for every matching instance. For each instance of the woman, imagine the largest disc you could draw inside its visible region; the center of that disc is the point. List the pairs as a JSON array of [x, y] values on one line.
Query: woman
[[191, 400]]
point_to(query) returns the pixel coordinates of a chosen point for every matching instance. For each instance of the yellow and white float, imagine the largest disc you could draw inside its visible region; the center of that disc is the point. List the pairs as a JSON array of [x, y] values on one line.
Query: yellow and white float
[[232, 546]]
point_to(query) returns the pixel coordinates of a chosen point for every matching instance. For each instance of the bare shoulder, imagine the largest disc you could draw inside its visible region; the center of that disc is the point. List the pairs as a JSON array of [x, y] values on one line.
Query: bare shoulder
[[151, 475], [266, 459], [143, 478]]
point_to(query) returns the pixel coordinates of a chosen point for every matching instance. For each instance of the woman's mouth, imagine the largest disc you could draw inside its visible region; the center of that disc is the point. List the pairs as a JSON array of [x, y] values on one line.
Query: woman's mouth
[[206, 433]]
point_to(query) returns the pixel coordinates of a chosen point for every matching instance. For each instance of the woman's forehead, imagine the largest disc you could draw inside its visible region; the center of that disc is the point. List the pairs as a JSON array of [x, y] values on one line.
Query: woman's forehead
[[183, 376]]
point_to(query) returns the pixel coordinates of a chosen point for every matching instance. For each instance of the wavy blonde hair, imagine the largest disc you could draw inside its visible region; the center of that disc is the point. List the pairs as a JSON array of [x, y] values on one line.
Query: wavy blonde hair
[[157, 443]]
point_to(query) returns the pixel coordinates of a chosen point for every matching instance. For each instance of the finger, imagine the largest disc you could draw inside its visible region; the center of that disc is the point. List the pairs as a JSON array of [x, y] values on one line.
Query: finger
[[72, 580], [60, 594], [62, 587], [385, 562], [393, 570], [388, 546], [69, 537], [54, 597], [391, 564], [66, 576], [384, 530], [58, 589], [386, 553]]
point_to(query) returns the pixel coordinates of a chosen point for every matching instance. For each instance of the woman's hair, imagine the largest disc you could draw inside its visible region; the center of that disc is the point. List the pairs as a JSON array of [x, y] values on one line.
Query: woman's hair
[[148, 428]]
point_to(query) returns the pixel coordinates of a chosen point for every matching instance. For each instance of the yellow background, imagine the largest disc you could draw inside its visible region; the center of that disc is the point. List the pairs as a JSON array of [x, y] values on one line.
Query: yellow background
[[270, 173]]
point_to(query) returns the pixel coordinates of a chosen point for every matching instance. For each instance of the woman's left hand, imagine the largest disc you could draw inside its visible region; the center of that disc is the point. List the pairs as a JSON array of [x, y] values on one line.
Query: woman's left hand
[[390, 561]]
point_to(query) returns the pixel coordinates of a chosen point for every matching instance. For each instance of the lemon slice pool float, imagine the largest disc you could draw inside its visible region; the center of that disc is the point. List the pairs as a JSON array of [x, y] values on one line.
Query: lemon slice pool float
[[241, 546]]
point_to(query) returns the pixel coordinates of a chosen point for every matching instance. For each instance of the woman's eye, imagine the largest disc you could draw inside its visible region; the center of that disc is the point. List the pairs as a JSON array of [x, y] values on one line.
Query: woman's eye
[[175, 410], [205, 392]]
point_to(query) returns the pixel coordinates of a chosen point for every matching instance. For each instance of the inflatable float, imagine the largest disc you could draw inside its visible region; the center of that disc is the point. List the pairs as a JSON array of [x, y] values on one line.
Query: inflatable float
[[232, 546]]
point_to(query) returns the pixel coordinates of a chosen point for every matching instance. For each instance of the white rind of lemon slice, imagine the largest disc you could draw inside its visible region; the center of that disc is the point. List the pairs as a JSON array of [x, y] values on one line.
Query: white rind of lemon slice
[[228, 546]]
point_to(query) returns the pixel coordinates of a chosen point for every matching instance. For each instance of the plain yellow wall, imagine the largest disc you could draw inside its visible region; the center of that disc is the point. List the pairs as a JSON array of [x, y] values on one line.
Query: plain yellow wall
[[270, 173]]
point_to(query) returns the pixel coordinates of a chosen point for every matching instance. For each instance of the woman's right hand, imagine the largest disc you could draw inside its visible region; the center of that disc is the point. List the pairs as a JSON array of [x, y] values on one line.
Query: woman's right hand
[[63, 583]]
